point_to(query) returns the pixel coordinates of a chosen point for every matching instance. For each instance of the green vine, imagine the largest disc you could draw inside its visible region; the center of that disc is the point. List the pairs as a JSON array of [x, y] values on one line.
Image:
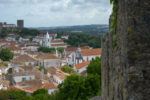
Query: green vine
[[113, 23]]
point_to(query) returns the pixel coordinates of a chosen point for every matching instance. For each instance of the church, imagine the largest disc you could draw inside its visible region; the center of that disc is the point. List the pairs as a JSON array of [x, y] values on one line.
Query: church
[[46, 42]]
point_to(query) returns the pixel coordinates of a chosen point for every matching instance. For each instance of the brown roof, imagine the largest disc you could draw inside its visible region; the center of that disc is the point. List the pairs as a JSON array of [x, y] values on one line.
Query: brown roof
[[53, 45], [5, 83], [57, 40], [85, 47], [81, 65], [71, 49], [33, 85], [57, 72], [61, 74], [29, 86], [13, 47], [29, 71], [23, 58], [91, 52], [52, 70], [48, 86], [46, 56]]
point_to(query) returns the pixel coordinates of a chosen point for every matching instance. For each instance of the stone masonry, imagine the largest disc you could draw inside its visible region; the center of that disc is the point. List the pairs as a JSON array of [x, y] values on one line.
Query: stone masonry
[[126, 67]]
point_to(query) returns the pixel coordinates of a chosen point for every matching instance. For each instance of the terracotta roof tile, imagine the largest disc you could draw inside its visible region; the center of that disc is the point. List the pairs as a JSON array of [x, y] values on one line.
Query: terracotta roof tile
[[57, 72], [81, 65], [31, 86], [48, 86], [91, 52]]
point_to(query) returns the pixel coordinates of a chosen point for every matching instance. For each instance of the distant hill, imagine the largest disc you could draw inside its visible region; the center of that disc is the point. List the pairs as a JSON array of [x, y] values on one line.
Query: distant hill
[[88, 29]]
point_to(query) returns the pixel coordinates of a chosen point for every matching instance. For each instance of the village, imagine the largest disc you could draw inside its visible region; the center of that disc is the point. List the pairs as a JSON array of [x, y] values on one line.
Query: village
[[31, 69]]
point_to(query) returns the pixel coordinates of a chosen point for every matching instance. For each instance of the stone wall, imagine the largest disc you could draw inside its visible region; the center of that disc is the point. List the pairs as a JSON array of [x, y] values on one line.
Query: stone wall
[[126, 67]]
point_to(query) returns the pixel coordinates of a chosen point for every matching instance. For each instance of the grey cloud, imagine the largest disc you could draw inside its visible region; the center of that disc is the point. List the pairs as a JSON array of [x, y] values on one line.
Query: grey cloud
[[65, 11], [5, 1]]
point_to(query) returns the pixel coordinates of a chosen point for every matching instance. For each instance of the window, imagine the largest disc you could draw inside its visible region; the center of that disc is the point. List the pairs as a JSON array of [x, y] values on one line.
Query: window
[[87, 58], [23, 79]]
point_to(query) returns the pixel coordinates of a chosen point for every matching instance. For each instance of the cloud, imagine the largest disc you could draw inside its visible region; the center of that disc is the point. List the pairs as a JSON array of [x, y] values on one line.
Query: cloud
[[55, 12]]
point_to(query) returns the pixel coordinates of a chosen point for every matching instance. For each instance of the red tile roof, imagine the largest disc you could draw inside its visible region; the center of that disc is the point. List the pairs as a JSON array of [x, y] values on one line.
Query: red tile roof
[[31, 86], [48, 86], [81, 65], [57, 72], [91, 52]]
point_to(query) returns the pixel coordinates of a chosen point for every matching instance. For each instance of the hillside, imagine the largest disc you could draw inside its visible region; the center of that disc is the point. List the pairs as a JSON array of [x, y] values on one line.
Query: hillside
[[88, 29]]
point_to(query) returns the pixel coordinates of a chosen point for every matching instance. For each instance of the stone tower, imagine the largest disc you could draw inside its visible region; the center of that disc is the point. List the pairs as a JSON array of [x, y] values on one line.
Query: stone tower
[[126, 65]]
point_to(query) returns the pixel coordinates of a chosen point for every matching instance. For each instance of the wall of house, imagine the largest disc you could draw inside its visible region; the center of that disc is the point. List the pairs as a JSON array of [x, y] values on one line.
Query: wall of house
[[82, 69], [50, 63], [57, 79], [20, 78], [31, 63], [89, 58], [71, 59], [50, 91]]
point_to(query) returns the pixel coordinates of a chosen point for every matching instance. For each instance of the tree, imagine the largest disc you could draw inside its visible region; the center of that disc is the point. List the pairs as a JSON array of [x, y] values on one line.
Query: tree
[[3, 33], [46, 49], [40, 91], [67, 69], [6, 54], [72, 88], [28, 32], [94, 67], [77, 87], [92, 85], [41, 94], [12, 95], [84, 39], [60, 50]]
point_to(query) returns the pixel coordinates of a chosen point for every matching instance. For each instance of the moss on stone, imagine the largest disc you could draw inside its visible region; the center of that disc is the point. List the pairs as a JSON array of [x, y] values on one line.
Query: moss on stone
[[113, 23]]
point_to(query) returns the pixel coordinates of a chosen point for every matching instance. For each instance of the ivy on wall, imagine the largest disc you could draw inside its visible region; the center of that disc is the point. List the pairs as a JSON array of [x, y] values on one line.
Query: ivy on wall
[[113, 23]]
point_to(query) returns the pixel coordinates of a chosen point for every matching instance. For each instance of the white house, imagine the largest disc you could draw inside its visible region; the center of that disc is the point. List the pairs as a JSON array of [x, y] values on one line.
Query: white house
[[56, 75], [89, 54], [23, 76], [81, 55], [58, 43], [70, 57], [4, 84], [48, 60]]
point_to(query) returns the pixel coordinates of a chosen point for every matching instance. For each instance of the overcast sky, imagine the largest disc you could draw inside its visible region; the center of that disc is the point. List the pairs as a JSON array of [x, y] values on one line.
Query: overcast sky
[[47, 13]]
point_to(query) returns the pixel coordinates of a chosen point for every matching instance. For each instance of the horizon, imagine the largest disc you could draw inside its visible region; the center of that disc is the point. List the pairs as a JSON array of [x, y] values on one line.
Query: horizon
[[66, 26], [55, 13]]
